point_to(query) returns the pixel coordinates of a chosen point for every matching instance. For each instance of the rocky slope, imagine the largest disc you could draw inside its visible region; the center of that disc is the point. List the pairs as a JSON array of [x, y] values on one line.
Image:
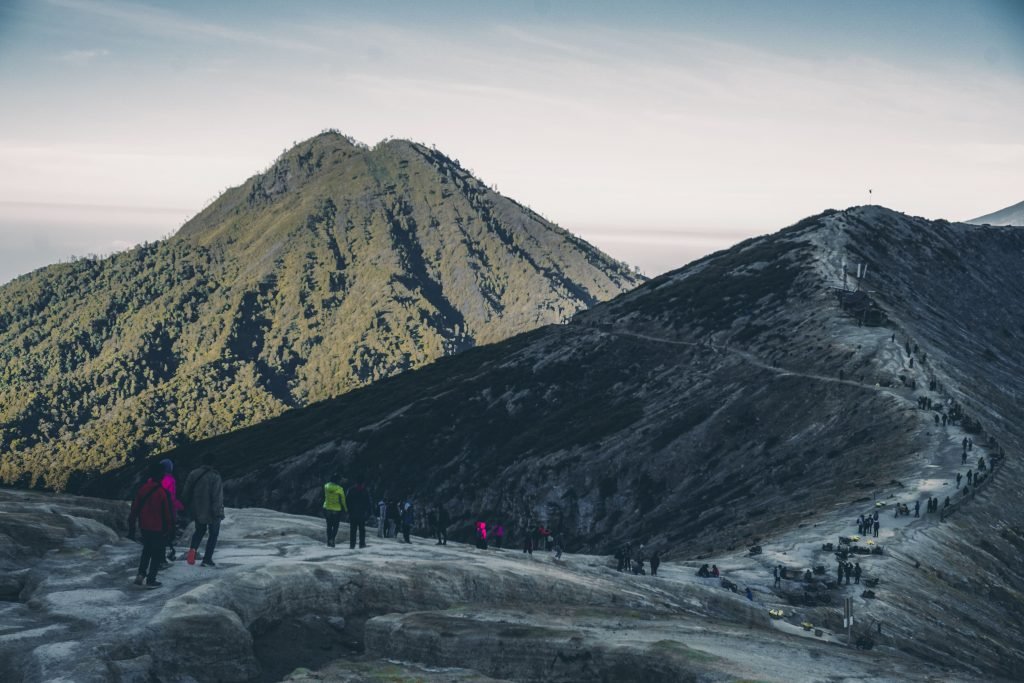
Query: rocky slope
[[745, 399], [338, 266], [1011, 215], [283, 606]]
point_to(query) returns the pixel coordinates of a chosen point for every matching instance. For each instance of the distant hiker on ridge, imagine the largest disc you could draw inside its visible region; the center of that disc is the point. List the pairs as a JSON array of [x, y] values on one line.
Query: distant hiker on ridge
[[204, 499], [334, 505], [152, 510]]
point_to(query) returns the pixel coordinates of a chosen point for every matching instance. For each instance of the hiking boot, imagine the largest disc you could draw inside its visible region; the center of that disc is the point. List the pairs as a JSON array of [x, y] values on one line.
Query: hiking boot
[[153, 584], [191, 559], [209, 563], [139, 579]]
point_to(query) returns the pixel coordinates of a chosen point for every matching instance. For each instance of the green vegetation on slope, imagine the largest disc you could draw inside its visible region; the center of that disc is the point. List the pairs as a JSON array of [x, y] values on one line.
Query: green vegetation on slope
[[337, 267]]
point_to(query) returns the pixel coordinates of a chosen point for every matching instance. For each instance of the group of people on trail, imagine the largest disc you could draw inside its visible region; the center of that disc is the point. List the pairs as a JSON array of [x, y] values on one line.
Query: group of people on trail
[[705, 573], [157, 512], [632, 561], [848, 569], [357, 503], [868, 524]]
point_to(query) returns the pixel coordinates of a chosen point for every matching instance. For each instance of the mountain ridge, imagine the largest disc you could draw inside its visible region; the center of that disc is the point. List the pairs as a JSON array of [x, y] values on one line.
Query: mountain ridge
[[1011, 215]]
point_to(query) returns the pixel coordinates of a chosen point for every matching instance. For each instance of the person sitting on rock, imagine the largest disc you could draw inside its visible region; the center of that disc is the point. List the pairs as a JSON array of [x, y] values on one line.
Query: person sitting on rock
[[703, 572], [714, 571]]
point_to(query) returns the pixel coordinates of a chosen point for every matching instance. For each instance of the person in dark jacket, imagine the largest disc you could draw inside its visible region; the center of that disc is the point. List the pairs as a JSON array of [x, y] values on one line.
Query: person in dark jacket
[[358, 511], [151, 510], [443, 521], [655, 563], [204, 499]]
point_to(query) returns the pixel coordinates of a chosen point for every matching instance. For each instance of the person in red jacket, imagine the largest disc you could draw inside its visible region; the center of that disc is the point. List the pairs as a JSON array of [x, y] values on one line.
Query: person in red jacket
[[151, 511]]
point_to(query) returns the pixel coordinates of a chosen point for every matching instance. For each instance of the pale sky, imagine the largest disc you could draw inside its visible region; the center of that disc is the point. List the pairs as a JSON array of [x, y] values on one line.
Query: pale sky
[[659, 131]]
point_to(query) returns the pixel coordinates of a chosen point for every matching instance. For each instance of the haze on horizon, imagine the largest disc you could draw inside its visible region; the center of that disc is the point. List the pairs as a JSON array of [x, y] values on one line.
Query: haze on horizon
[[659, 131]]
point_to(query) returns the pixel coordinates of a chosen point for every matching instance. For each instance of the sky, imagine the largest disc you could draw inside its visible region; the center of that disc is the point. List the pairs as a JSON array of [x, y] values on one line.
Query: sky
[[659, 131]]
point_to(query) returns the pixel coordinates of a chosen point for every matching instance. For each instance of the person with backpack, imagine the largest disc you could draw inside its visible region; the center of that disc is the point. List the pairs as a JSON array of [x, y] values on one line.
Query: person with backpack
[[443, 520], [408, 518], [151, 511], [334, 505], [204, 500], [358, 510], [170, 485]]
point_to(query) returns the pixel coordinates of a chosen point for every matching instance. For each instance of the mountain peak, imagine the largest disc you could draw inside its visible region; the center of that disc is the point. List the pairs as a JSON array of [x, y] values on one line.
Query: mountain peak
[[337, 266]]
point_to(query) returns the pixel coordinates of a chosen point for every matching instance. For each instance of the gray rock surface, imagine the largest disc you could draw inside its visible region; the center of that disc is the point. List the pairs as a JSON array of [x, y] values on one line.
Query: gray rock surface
[[284, 606]]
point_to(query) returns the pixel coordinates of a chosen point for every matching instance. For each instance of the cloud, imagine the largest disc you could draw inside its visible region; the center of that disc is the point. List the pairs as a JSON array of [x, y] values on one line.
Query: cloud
[[158, 21], [82, 57]]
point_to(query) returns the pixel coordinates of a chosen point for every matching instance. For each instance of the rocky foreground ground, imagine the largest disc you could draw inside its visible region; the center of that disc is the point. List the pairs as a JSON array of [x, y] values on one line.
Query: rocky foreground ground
[[283, 606]]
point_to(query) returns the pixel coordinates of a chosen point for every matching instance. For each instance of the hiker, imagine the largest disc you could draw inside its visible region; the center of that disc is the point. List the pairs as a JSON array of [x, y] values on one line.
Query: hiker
[[876, 528], [408, 519], [382, 513], [204, 498], [638, 567], [557, 548], [946, 504], [358, 511], [970, 475], [620, 557], [714, 571], [528, 544], [392, 518], [499, 536], [970, 444], [170, 485], [981, 464], [964, 442], [480, 531], [917, 508], [655, 563], [334, 505], [958, 478], [703, 572], [628, 554], [944, 419], [856, 573], [776, 576], [152, 510], [876, 515], [936, 419], [443, 520], [849, 572]]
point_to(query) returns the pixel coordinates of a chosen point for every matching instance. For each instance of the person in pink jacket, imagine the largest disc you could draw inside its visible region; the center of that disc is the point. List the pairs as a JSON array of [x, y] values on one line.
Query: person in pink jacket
[[177, 506]]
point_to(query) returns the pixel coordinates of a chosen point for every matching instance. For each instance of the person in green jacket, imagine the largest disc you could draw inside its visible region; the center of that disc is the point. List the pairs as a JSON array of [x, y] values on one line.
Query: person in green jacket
[[334, 505]]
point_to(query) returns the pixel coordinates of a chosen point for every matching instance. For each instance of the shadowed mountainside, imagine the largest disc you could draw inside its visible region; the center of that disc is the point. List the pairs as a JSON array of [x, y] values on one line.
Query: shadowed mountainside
[[746, 398], [338, 266]]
